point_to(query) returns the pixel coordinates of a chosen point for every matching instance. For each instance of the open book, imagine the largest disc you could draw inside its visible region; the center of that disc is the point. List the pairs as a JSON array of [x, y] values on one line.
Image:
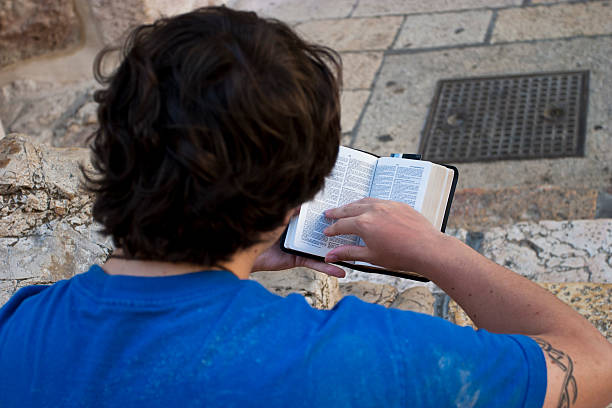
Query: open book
[[425, 186]]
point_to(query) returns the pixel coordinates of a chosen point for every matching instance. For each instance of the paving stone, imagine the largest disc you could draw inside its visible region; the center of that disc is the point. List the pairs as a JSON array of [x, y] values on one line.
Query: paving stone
[[359, 69], [554, 251], [397, 110], [352, 103], [476, 208], [592, 300], [296, 10], [321, 291], [435, 30], [30, 28], [565, 20], [418, 299], [382, 7], [370, 292], [352, 34]]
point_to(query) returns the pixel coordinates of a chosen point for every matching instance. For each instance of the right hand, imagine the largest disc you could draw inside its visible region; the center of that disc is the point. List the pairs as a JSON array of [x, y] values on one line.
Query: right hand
[[397, 237]]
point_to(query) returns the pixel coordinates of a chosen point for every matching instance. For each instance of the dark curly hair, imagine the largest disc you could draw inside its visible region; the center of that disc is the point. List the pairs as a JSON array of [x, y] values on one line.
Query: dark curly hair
[[213, 127]]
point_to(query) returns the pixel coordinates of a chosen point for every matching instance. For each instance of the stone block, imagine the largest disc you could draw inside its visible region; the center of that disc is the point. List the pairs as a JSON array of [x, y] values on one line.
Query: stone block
[[60, 115], [54, 251], [418, 299], [397, 110], [352, 104], [296, 10], [554, 251], [437, 30], [116, 17], [321, 291], [31, 28], [46, 228], [383, 7], [370, 292], [475, 208], [359, 69], [592, 300], [564, 20], [39, 184], [355, 34]]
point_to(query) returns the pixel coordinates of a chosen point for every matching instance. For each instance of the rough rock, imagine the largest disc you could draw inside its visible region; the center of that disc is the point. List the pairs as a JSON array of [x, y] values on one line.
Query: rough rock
[[321, 291], [56, 115], [46, 228], [30, 28], [554, 251], [591, 300], [418, 299], [370, 292], [116, 17]]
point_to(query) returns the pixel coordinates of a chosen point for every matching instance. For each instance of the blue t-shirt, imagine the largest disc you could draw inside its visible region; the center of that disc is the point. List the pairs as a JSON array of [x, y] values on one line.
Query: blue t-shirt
[[209, 339]]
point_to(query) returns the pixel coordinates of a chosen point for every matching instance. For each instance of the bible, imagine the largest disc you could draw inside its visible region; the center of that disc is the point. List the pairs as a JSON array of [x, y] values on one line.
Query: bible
[[426, 186]]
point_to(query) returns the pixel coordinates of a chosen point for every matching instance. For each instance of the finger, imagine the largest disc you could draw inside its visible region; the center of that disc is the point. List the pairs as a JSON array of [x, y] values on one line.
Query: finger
[[348, 210], [348, 253], [345, 226], [327, 269]]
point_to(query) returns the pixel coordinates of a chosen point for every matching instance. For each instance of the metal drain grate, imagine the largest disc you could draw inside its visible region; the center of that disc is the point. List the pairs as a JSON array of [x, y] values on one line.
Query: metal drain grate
[[507, 117]]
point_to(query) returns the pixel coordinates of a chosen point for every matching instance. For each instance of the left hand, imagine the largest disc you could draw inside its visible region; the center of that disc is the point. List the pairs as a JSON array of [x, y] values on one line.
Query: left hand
[[273, 259]]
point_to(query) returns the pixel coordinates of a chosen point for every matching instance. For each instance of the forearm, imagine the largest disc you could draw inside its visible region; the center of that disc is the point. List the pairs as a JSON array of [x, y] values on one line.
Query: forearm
[[496, 298]]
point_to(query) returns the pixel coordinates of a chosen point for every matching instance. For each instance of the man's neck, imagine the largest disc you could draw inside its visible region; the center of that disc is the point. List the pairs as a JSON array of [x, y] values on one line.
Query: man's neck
[[240, 265]]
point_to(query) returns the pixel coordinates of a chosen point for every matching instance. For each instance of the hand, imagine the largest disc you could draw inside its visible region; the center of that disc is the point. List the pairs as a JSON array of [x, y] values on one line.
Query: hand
[[273, 259], [397, 237]]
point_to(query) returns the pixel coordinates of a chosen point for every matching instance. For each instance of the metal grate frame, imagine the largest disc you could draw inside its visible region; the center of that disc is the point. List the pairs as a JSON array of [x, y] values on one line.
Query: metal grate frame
[[532, 116]]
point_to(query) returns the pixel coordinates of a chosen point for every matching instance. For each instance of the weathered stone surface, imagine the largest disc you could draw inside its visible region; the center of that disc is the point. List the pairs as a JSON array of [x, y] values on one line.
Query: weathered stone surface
[[397, 110], [418, 299], [436, 30], [554, 251], [476, 208], [321, 291], [38, 185], [46, 228], [116, 17], [565, 20], [56, 115], [359, 69], [382, 7], [352, 34], [30, 28], [296, 10], [592, 300], [370, 292], [352, 104], [2, 134]]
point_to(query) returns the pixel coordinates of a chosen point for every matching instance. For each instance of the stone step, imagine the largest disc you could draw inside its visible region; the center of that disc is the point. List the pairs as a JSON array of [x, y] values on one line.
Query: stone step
[[592, 300], [476, 208]]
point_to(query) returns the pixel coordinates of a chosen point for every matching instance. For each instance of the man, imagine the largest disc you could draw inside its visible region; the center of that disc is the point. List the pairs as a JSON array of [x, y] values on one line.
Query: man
[[214, 129]]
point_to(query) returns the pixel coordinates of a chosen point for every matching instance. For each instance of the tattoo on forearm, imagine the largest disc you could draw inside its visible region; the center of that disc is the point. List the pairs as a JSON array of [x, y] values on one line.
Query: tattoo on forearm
[[569, 389]]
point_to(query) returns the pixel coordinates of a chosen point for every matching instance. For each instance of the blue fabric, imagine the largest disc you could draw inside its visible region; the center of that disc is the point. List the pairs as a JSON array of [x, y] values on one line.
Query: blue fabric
[[210, 339]]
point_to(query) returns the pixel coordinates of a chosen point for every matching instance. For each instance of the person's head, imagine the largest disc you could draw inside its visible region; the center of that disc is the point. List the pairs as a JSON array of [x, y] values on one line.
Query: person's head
[[215, 125]]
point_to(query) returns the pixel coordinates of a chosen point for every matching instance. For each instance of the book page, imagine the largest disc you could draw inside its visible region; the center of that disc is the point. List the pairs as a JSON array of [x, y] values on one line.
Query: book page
[[349, 181], [402, 180]]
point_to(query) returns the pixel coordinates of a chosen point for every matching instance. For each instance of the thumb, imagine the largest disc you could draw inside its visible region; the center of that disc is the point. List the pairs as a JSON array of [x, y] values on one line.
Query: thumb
[[348, 253]]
